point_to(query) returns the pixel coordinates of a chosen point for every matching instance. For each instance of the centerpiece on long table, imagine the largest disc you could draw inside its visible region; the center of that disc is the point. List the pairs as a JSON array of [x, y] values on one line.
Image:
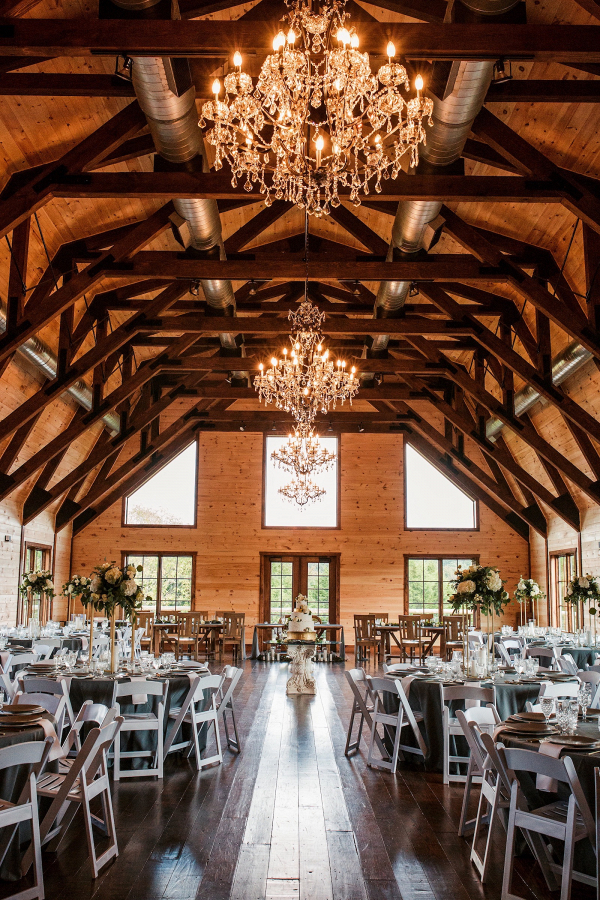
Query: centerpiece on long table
[[479, 588], [110, 587], [78, 586]]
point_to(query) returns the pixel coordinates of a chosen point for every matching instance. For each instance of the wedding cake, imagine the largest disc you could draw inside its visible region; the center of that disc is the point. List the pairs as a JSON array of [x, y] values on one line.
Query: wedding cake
[[301, 626]]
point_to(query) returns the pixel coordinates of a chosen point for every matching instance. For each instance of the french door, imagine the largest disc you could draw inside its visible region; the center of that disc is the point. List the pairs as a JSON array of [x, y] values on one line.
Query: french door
[[285, 576], [34, 606], [563, 567]]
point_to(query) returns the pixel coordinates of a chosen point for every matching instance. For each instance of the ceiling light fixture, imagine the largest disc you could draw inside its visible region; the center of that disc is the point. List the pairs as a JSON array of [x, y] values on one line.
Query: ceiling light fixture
[[302, 491], [317, 119], [501, 76], [302, 453]]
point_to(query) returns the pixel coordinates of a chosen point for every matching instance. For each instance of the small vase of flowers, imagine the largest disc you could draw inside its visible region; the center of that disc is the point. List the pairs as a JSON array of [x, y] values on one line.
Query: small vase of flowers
[[527, 591]]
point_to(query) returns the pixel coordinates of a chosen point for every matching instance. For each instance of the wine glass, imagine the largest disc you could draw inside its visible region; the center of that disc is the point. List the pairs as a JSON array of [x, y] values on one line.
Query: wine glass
[[584, 695], [547, 707]]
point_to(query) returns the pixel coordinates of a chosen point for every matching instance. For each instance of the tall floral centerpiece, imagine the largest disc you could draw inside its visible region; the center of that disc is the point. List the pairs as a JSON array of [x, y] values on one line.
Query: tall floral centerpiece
[[38, 583], [584, 589], [479, 588], [78, 586], [527, 591], [112, 586]]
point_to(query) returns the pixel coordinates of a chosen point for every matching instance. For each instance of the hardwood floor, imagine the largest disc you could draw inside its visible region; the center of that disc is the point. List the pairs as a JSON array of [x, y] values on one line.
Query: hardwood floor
[[290, 817]]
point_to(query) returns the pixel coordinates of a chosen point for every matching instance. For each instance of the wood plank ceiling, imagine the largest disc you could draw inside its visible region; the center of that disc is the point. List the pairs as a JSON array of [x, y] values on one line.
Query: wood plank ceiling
[[512, 281]]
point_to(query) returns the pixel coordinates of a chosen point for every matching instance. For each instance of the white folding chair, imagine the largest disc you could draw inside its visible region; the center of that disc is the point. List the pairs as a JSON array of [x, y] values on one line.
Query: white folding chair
[[566, 664], [569, 820], [397, 720], [142, 721], [471, 696], [42, 651], [503, 653], [547, 656], [484, 717], [33, 684], [559, 689], [52, 703], [90, 714], [9, 678], [231, 676], [199, 708], [362, 705], [86, 779], [34, 755]]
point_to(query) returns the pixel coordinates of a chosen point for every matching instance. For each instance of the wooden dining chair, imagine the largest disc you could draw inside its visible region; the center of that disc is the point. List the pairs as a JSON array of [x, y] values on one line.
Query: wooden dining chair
[[233, 634], [188, 634], [384, 617], [454, 632], [145, 620], [410, 637], [365, 637], [169, 636]]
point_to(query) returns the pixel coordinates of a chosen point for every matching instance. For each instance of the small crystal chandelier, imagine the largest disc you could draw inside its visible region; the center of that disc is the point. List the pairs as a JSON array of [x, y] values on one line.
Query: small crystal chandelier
[[305, 380], [302, 453], [317, 118], [302, 491]]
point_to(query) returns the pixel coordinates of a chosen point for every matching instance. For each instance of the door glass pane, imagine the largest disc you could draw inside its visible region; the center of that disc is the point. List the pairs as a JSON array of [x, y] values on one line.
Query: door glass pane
[[281, 590], [318, 589]]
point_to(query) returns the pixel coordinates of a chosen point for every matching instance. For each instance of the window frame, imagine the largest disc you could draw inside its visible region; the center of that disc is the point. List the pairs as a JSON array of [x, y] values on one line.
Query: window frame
[[556, 601], [291, 528], [474, 557], [125, 524], [160, 554], [46, 605], [475, 500], [298, 579]]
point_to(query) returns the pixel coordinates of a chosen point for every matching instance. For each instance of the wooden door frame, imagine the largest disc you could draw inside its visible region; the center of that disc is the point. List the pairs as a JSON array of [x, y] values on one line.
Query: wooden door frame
[[264, 595], [553, 556], [47, 549]]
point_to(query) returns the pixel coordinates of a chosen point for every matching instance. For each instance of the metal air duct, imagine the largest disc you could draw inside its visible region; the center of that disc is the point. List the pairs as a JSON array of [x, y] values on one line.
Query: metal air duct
[[38, 355], [452, 120], [565, 364]]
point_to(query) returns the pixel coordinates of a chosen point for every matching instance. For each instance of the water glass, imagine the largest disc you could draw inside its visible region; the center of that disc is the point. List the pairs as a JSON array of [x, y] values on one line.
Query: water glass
[[547, 707], [562, 714], [573, 715], [584, 696]]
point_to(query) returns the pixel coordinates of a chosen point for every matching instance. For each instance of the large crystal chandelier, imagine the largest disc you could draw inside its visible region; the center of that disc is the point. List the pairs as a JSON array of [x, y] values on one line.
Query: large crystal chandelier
[[317, 118], [302, 491], [305, 381], [302, 453]]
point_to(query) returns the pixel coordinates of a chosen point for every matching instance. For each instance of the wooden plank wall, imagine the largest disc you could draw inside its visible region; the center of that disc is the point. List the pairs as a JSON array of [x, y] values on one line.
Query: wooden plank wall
[[372, 540]]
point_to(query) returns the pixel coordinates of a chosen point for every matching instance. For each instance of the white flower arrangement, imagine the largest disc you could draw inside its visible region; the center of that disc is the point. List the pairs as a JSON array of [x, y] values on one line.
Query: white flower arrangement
[[584, 589], [39, 582], [528, 589], [479, 587], [77, 586], [110, 586]]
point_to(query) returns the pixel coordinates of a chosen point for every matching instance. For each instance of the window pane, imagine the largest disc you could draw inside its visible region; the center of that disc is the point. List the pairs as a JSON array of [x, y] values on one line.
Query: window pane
[[283, 513], [430, 569], [169, 497], [432, 500], [415, 569]]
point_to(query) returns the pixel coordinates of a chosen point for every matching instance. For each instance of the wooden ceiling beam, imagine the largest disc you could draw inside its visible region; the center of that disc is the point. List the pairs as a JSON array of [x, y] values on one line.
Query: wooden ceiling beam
[[483, 153], [53, 84], [131, 149], [590, 6], [591, 257], [544, 91], [529, 288], [217, 186], [276, 325], [33, 192], [17, 275], [171, 265], [61, 299], [577, 196], [84, 37], [359, 230], [255, 226], [10, 63]]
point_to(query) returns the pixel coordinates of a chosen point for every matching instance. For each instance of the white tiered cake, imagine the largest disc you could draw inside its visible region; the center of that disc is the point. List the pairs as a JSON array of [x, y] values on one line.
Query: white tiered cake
[[301, 626]]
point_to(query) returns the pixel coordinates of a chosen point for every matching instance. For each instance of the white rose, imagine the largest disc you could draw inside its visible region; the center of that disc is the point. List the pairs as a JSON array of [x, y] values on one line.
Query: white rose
[[569, 591], [129, 587], [96, 583], [112, 575], [521, 585], [466, 587], [49, 585], [583, 582], [494, 582]]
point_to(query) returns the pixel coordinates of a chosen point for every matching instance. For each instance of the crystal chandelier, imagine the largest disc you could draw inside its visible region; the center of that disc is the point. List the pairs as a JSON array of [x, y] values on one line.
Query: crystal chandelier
[[317, 118], [302, 453], [305, 380], [302, 491]]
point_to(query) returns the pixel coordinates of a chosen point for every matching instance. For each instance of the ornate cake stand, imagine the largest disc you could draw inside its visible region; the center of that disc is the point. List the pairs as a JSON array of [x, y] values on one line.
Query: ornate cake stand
[[301, 679]]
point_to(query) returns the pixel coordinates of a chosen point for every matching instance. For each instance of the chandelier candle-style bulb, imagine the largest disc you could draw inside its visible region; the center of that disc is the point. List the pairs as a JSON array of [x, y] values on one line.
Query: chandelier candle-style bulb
[[316, 74]]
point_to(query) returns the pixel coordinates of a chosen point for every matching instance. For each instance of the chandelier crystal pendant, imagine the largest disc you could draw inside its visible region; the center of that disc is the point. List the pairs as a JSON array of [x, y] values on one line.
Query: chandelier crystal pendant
[[317, 119], [303, 454], [305, 381], [302, 491]]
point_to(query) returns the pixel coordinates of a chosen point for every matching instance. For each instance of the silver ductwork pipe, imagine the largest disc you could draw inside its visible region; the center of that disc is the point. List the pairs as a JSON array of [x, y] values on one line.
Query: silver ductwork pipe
[[42, 359], [452, 120], [564, 365], [173, 123]]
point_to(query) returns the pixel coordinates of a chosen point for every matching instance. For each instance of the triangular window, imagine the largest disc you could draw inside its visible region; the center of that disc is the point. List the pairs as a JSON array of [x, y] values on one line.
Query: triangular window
[[432, 499], [169, 497]]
